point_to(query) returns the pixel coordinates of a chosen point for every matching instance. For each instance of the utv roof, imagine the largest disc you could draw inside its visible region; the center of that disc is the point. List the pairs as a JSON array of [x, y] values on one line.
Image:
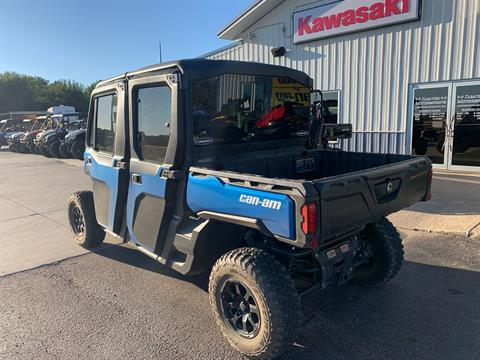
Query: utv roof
[[195, 69]]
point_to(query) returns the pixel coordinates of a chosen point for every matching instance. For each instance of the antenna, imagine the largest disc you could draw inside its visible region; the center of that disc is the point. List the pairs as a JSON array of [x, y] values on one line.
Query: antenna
[[160, 50]]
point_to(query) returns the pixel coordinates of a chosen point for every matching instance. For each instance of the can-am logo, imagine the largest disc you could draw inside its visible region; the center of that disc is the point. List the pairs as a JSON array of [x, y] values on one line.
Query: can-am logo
[[266, 203], [345, 16]]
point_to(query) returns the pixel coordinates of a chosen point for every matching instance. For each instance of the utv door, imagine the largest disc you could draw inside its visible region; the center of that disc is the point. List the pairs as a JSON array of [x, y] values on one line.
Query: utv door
[[105, 156], [151, 192]]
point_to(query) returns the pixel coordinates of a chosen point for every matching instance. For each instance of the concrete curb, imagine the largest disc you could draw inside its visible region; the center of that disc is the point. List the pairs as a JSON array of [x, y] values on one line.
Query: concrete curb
[[468, 237]]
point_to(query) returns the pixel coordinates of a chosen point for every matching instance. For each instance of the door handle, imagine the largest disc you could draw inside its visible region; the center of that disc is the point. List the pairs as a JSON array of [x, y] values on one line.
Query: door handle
[[88, 160], [136, 178]]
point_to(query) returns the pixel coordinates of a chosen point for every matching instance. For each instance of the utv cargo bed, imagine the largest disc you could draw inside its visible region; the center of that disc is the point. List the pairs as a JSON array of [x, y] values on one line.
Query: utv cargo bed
[[352, 189]]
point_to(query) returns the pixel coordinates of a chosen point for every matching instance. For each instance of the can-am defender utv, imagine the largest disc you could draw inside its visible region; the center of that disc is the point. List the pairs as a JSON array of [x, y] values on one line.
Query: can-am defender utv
[[215, 166]]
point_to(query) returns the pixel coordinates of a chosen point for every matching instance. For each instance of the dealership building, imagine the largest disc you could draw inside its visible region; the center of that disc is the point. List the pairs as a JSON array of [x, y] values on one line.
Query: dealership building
[[404, 73]]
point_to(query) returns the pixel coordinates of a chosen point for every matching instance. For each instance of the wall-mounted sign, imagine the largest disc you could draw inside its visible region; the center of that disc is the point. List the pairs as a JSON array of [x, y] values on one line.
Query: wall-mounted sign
[[340, 17]]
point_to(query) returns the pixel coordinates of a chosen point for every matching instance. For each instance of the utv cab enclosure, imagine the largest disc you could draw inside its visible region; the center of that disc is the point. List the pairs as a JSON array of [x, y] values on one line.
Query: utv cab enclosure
[[214, 165]]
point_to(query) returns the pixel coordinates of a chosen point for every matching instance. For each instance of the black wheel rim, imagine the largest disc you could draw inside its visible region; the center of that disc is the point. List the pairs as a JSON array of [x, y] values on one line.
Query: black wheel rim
[[77, 220], [240, 309]]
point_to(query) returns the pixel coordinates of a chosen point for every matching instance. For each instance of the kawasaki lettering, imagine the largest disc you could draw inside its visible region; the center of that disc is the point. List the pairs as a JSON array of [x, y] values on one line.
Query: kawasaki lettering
[[362, 14]]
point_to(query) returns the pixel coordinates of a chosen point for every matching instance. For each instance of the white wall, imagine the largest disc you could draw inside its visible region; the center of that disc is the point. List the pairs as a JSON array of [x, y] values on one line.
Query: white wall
[[374, 68]]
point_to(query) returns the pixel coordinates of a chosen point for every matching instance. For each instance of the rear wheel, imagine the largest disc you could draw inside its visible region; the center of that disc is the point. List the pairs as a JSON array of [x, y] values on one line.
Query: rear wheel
[[254, 302], [382, 251], [54, 149], [64, 152], [33, 150], [81, 215], [78, 147]]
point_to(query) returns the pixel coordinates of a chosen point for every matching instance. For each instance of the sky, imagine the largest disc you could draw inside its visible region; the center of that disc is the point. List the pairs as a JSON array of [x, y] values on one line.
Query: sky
[[88, 40]]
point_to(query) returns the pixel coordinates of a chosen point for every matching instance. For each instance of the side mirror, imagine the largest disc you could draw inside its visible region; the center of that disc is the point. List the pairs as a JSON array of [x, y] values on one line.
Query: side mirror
[[333, 132]]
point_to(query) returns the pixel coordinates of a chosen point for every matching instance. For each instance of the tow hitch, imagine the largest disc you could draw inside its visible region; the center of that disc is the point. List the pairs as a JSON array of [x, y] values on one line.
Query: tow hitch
[[337, 262]]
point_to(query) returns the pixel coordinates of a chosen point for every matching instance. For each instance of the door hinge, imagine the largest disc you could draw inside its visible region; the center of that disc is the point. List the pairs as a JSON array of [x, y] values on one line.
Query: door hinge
[[171, 174], [120, 165]]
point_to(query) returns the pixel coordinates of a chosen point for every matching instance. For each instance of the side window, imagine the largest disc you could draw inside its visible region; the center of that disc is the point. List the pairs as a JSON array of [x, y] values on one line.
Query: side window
[[331, 100], [106, 116], [154, 109]]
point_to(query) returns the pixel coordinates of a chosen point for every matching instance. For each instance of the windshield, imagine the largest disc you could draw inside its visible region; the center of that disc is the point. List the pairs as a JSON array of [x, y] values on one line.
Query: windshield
[[234, 108]]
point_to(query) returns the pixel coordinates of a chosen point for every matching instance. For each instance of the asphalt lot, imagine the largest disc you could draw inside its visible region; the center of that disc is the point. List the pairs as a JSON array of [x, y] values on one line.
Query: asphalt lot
[[117, 303]]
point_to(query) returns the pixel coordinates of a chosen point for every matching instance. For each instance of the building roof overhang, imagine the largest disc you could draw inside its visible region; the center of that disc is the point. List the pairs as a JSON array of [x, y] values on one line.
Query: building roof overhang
[[247, 18]]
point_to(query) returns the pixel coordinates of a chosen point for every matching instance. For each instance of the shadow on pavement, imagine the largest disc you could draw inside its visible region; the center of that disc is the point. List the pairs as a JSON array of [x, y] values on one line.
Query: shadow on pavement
[[428, 312], [132, 257]]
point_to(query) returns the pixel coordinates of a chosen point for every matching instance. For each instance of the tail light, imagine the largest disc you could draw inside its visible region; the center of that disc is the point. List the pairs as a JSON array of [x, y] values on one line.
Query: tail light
[[309, 223]]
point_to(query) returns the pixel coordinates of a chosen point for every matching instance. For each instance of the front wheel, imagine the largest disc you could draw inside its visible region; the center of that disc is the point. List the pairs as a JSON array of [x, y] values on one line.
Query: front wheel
[[254, 302], [81, 215], [44, 151], [382, 253]]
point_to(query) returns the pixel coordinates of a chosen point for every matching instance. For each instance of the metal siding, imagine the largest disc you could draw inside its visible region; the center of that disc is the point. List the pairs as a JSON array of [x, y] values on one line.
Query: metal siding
[[374, 68]]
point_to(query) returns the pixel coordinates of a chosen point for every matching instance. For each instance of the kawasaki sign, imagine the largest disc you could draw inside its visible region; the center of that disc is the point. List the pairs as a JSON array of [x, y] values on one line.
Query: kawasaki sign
[[340, 17]]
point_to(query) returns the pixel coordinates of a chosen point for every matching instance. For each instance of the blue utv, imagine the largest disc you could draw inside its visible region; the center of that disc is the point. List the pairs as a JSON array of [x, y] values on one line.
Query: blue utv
[[223, 166]]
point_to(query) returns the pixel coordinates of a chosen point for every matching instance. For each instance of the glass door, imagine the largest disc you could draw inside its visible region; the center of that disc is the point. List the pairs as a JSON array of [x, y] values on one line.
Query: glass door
[[431, 113], [464, 127]]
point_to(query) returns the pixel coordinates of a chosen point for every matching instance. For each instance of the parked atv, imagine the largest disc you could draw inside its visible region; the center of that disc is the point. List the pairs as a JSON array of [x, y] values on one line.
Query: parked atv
[[54, 141], [26, 140], [9, 127], [39, 140], [73, 145], [15, 141]]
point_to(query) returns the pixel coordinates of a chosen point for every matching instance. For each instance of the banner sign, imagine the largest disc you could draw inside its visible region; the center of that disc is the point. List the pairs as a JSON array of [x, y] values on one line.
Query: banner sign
[[341, 17]]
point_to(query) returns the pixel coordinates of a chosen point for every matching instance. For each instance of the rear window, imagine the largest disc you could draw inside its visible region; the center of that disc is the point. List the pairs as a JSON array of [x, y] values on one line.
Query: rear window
[[234, 108]]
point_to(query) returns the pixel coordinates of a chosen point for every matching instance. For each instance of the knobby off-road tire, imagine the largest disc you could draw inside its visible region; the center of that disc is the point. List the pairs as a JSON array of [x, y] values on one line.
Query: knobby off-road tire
[[269, 291], [83, 222], [54, 149], [44, 151], [78, 147], [64, 152], [387, 250]]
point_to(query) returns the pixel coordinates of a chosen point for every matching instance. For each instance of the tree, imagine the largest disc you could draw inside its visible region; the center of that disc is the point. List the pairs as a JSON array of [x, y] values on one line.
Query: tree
[[20, 92], [68, 92]]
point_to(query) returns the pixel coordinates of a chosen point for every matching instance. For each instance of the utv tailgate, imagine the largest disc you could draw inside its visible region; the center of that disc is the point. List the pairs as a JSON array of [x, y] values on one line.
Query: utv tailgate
[[352, 200]]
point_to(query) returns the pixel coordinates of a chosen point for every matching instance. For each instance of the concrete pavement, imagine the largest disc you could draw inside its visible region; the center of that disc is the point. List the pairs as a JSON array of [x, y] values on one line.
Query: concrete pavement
[[454, 208], [119, 304], [34, 227]]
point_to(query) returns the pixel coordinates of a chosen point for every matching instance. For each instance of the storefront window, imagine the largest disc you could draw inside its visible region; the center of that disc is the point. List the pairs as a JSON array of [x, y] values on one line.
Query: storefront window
[[430, 106], [466, 129]]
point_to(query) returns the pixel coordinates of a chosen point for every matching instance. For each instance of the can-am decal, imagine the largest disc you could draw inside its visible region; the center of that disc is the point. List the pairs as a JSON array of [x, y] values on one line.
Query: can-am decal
[[254, 200]]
